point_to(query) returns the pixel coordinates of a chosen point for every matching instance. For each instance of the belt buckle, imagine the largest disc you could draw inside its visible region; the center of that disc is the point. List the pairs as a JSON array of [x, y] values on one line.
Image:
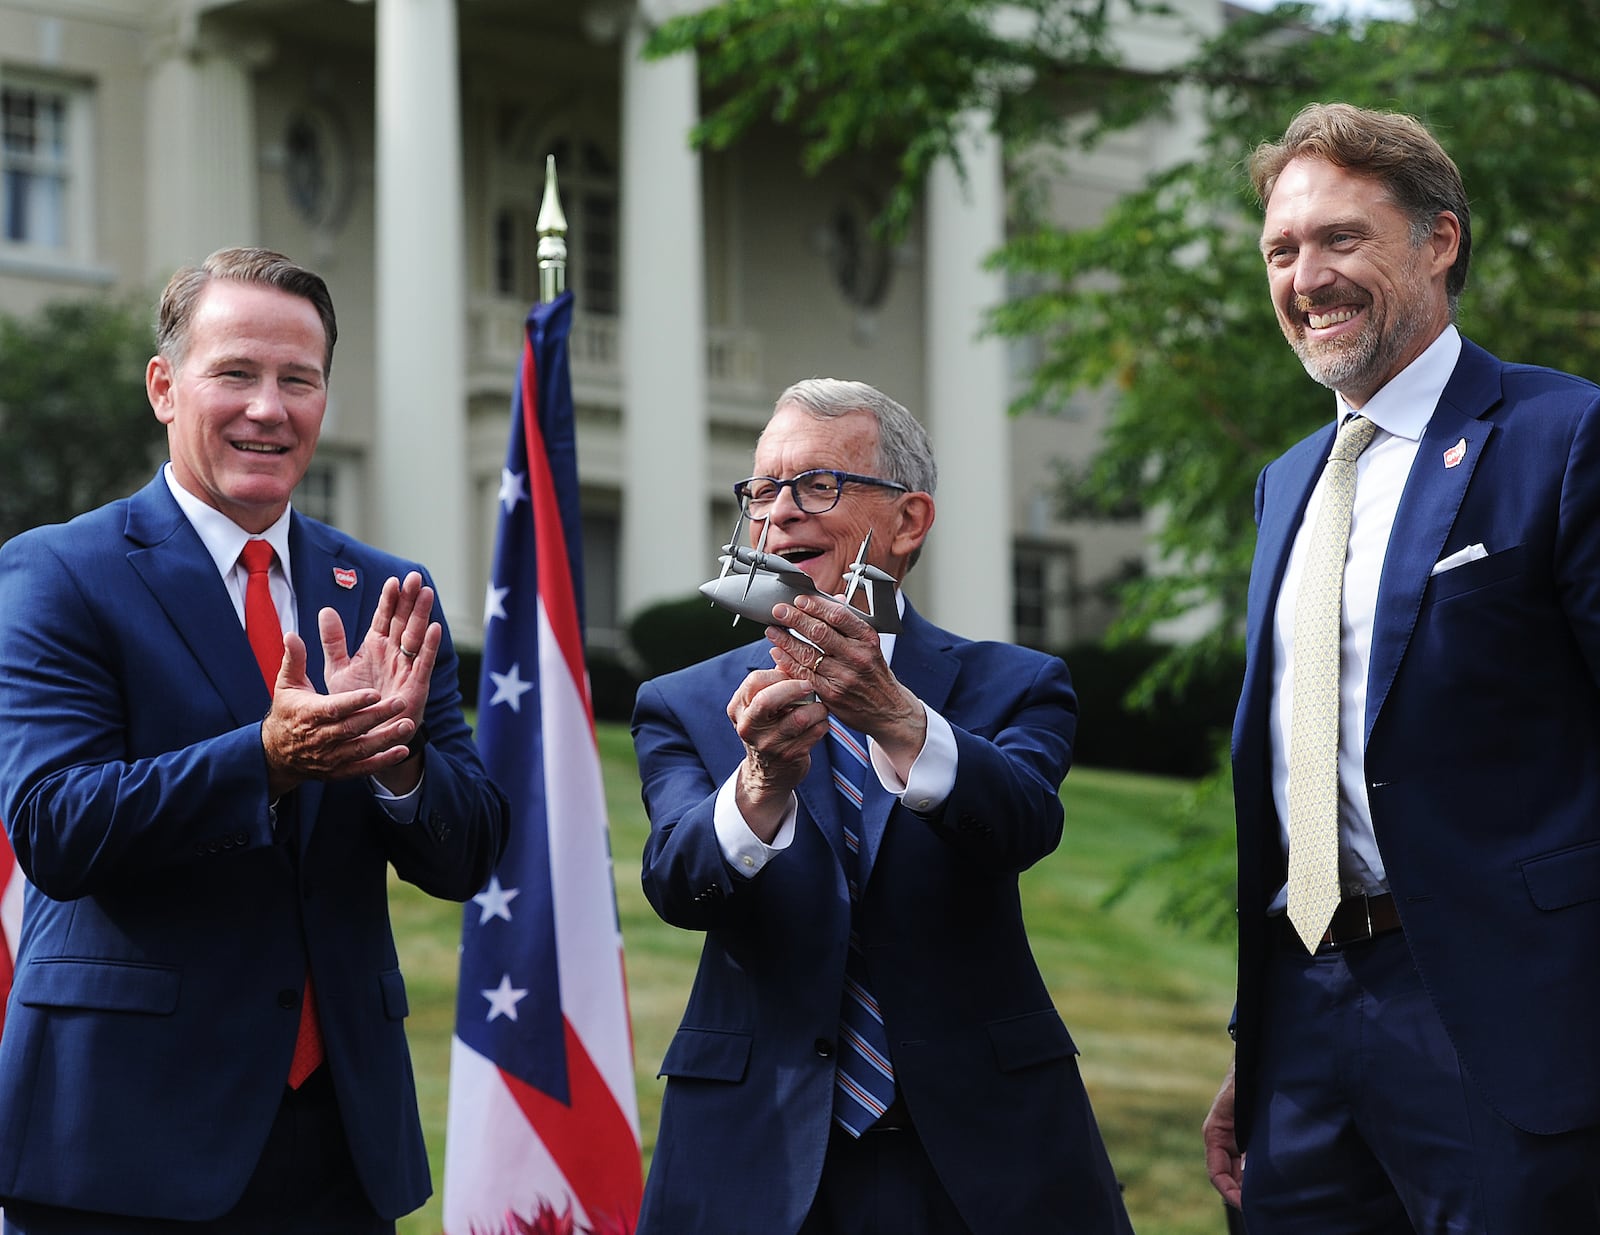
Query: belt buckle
[[1335, 939]]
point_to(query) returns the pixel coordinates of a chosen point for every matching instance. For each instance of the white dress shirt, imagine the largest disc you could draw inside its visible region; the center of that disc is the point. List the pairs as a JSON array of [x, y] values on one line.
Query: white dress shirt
[[224, 540], [1401, 410]]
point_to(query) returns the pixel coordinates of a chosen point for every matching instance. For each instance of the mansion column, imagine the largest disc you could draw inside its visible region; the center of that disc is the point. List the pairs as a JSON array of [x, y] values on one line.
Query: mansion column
[[968, 558], [202, 181], [668, 546], [419, 460]]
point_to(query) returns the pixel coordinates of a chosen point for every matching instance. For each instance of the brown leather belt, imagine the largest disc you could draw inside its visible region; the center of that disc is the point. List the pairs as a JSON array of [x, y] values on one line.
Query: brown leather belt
[[1361, 917]]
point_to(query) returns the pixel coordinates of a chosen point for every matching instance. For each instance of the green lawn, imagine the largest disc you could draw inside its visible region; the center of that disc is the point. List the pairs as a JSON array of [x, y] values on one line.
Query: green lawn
[[1146, 1003]]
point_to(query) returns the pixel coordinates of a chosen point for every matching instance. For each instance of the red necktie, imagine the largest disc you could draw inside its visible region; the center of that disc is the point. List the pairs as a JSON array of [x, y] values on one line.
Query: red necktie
[[265, 632]]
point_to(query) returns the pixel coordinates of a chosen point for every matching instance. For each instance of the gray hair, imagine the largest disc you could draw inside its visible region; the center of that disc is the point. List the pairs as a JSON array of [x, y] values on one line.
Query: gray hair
[[905, 455]]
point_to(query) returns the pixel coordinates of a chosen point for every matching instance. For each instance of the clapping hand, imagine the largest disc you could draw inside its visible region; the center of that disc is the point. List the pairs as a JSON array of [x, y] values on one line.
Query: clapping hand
[[375, 698]]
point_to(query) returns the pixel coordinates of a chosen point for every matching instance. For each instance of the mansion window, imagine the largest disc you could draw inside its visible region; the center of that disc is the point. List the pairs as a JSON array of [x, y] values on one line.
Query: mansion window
[[1045, 594], [43, 198], [602, 570], [317, 493]]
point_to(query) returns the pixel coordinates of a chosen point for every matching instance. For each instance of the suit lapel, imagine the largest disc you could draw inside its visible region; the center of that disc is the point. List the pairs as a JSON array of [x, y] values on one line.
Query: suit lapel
[[324, 578], [1286, 491], [1447, 456], [167, 554], [315, 551], [820, 800], [1281, 516], [924, 665]]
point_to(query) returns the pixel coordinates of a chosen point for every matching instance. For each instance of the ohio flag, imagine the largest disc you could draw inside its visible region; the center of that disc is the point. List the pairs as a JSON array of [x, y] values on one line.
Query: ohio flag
[[11, 884], [543, 1117]]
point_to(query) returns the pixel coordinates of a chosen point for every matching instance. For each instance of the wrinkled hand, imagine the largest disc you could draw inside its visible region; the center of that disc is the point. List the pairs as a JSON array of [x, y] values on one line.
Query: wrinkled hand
[[838, 653], [779, 724], [1224, 1162], [397, 655], [375, 699]]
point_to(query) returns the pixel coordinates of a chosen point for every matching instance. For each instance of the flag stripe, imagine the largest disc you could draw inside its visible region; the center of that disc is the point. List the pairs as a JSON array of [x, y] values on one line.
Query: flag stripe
[[509, 1166], [552, 553], [11, 885], [592, 985], [592, 1140]]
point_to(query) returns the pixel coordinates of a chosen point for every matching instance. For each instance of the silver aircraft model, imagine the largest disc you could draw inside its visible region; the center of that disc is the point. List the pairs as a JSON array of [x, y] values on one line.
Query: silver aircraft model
[[752, 581]]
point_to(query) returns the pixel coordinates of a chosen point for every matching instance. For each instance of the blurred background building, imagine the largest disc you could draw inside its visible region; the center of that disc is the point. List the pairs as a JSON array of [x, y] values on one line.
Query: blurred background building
[[398, 147]]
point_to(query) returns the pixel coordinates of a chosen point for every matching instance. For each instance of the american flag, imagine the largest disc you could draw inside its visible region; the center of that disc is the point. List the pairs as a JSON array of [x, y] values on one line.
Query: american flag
[[543, 1114]]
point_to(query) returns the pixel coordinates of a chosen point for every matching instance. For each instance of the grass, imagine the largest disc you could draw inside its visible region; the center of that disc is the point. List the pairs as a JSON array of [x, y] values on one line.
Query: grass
[[1146, 1002]]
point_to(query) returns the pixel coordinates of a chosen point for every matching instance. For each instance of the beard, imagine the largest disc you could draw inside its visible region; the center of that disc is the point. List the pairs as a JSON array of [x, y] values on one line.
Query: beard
[[1358, 365]]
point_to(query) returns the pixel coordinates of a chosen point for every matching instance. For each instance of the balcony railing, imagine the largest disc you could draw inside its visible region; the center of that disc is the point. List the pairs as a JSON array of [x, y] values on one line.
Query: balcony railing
[[494, 342]]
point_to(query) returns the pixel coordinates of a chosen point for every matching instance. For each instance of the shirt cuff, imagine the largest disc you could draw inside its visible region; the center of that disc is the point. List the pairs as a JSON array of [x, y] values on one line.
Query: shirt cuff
[[933, 773], [402, 808], [746, 852]]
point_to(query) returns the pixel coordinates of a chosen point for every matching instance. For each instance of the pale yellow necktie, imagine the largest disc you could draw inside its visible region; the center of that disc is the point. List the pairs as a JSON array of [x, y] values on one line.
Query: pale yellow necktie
[[1314, 889]]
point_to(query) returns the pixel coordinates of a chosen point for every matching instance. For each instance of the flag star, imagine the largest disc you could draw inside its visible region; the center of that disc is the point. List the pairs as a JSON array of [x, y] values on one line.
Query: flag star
[[512, 489], [494, 602], [495, 900], [509, 688], [503, 999]]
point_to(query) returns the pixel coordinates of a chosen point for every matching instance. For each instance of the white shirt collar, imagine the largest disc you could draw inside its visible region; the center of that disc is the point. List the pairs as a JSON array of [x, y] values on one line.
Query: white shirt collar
[[222, 537], [886, 642], [1404, 404]]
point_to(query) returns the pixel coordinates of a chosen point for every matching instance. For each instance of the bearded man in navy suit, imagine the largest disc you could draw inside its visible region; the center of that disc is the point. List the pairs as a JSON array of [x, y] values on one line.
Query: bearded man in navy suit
[[896, 879], [1423, 1056], [206, 1030]]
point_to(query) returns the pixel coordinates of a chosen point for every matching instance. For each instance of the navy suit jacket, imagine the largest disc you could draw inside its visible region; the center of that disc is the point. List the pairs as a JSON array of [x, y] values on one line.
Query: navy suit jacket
[[982, 1058], [1482, 733], [168, 922]]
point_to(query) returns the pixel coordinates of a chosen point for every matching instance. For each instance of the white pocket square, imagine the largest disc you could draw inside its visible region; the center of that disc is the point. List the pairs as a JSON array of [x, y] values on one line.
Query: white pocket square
[[1459, 558]]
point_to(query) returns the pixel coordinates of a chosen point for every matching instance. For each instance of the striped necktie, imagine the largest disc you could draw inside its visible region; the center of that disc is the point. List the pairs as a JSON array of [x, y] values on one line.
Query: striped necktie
[[864, 1082], [1314, 889], [264, 630]]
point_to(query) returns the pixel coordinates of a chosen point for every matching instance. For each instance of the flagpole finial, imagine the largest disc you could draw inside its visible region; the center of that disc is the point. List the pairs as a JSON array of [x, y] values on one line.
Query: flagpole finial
[[552, 229]]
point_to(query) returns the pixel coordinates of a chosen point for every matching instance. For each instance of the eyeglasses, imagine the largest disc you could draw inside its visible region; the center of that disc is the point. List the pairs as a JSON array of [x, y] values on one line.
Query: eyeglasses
[[815, 492]]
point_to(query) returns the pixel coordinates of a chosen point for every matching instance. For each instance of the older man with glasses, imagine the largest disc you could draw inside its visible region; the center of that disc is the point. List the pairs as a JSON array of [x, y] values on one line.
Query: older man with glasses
[[869, 1046]]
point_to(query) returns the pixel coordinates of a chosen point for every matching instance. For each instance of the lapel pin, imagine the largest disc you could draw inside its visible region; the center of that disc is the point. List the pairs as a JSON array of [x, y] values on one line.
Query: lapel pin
[[1456, 453], [344, 577]]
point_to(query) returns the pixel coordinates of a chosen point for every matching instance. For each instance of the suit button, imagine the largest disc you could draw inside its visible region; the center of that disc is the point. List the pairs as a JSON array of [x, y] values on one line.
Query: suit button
[[288, 999], [824, 1048]]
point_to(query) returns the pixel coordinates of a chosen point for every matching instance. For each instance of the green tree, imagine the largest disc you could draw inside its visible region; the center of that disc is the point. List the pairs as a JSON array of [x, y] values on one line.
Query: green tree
[[1164, 302], [75, 427]]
